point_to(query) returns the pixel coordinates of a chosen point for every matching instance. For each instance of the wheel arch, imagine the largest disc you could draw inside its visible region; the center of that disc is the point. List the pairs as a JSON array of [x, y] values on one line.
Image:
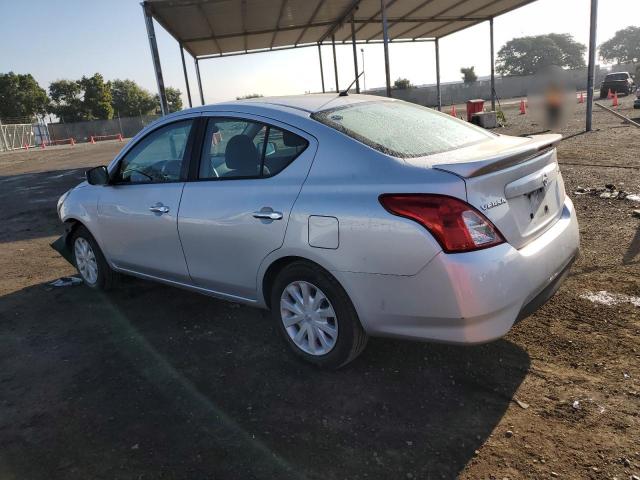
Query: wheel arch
[[276, 266]]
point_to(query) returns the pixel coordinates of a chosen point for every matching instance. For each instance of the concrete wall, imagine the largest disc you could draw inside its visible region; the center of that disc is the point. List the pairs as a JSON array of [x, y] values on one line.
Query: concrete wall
[[506, 87], [82, 131]]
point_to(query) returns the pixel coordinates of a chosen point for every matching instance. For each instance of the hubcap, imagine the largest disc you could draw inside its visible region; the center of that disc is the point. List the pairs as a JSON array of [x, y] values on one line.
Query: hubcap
[[85, 260], [309, 318]]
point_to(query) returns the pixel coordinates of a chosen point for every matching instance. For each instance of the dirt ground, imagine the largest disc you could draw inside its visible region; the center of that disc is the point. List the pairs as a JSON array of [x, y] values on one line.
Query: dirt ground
[[152, 382]]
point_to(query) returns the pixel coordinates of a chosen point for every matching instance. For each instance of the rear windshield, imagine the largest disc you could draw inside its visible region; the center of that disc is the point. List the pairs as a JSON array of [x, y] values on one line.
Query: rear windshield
[[617, 76], [401, 129]]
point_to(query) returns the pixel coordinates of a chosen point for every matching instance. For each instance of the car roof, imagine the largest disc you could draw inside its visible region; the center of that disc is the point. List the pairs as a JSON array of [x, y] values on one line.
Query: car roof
[[305, 104]]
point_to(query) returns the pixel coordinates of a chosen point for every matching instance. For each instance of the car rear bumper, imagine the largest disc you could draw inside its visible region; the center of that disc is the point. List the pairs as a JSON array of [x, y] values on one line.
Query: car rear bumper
[[472, 297]]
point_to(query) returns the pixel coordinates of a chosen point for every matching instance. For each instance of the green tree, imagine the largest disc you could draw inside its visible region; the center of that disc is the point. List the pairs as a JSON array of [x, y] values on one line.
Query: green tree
[[529, 55], [250, 95], [66, 97], [128, 99], [174, 99], [86, 99], [402, 84], [469, 75], [623, 47], [21, 96], [97, 97]]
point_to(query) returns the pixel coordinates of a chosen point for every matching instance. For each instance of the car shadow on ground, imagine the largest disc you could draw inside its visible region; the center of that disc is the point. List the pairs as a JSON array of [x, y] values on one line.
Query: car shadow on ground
[[29, 203], [150, 381]]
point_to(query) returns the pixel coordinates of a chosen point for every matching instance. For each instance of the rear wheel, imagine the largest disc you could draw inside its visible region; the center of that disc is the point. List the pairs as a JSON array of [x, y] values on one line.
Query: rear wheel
[[316, 317], [90, 261]]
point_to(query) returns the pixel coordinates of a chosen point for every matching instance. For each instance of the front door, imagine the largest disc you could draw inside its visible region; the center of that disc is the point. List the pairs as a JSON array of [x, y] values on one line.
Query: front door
[[236, 212], [138, 211]]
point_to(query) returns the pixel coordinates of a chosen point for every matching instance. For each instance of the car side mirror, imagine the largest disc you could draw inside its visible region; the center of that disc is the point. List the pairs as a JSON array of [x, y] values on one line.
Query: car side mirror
[[98, 176]]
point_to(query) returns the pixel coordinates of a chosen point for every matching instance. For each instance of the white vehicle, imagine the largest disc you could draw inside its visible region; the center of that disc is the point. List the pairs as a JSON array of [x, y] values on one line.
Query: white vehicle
[[346, 216]]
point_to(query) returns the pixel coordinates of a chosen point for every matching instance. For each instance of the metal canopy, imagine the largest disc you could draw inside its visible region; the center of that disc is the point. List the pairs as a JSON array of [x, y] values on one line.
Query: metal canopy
[[207, 28]]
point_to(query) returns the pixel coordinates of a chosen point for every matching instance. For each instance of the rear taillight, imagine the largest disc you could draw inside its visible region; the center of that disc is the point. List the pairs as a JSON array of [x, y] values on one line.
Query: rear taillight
[[455, 224]]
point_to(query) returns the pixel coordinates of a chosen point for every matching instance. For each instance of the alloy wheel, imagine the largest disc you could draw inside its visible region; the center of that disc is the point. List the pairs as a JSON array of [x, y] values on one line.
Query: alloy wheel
[[309, 318], [86, 260]]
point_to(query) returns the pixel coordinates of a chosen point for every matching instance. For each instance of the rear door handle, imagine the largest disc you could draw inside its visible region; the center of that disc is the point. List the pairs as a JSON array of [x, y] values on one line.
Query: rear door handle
[[159, 208], [267, 214]]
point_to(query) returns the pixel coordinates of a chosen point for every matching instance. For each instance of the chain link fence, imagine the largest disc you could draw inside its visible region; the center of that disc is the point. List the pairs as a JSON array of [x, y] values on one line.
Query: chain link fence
[[83, 131]]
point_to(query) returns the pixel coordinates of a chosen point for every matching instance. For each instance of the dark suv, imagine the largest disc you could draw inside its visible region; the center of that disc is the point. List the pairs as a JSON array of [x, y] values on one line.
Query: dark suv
[[620, 82]]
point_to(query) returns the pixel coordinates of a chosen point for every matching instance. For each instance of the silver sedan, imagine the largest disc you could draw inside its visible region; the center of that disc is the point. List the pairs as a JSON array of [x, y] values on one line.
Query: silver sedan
[[346, 216]]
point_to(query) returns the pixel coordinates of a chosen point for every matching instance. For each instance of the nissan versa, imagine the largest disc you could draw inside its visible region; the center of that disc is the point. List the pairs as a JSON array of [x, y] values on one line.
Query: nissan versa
[[346, 216]]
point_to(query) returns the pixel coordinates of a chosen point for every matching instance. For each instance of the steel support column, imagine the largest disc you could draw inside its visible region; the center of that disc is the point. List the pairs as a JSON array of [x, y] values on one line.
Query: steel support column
[[321, 69], [199, 81], [186, 77], [438, 92], [493, 67], [335, 60], [155, 57], [592, 63], [355, 54], [385, 35]]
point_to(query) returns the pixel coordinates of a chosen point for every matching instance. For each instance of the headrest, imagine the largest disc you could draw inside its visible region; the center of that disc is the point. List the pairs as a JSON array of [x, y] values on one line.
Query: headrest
[[241, 154]]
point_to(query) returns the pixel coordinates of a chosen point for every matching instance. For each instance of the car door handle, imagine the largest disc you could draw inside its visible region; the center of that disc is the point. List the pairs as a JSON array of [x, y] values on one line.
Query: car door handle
[[268, 215], [159, 208]]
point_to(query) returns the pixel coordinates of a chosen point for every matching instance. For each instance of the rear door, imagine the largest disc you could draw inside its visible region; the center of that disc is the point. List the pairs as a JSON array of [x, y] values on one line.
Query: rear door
[[138, 210], [235, 208]]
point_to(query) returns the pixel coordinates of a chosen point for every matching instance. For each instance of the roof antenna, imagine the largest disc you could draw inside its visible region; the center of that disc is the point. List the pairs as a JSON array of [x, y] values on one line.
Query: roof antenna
[[345, 92]]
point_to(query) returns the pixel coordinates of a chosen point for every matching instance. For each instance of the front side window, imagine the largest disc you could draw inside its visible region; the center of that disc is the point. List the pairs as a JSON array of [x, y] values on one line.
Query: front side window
[[236, 148], [158, 157], [401, 129]]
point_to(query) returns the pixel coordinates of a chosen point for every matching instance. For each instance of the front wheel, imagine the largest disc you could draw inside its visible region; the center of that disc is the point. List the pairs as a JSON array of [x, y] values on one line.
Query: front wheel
[[316, 317], [90, 261]]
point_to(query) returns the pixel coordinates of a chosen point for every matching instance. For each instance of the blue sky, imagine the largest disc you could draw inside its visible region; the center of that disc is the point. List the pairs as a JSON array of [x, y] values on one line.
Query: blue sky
[[70, 38]]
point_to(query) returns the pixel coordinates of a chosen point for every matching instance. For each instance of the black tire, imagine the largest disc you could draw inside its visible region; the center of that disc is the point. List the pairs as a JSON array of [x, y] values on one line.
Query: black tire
[[352, 338], [603, 94], [106, 278]]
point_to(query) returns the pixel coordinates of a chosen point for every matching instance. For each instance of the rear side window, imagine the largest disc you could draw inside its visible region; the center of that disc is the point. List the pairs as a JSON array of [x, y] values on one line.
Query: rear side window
[[235, 148], [401, 129], [617, 76]]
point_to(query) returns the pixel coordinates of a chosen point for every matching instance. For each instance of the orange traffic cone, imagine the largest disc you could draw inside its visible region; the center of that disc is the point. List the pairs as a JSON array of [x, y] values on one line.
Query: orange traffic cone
[[610, 95], [120, 137], [453, 112], [42, 144], [26, 146], [615, 100], [93, 141], [581, 99], [523, 107], [73, 142]]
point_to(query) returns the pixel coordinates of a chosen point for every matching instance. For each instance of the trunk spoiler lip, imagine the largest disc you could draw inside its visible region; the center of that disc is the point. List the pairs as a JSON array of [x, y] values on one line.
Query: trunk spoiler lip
[[537, 145]]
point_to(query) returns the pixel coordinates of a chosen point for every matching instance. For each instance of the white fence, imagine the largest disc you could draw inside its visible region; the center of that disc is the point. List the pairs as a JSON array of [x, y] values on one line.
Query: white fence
[[16, 136]]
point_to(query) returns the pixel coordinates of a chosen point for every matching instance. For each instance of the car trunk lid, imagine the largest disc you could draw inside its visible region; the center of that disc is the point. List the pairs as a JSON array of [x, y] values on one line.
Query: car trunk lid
[[515, 182]]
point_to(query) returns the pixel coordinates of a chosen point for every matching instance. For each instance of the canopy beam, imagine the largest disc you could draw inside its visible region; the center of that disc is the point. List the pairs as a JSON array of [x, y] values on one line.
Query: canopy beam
[[321, 69], [355, 55], [438, 92], [592, 63], [199, 81], [385, 36], [335, 60], [155, 57], [493, 67], [186, 77]]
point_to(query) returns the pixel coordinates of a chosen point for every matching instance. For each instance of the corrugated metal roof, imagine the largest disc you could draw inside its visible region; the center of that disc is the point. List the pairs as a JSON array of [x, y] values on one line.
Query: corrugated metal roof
[[222, 27]]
